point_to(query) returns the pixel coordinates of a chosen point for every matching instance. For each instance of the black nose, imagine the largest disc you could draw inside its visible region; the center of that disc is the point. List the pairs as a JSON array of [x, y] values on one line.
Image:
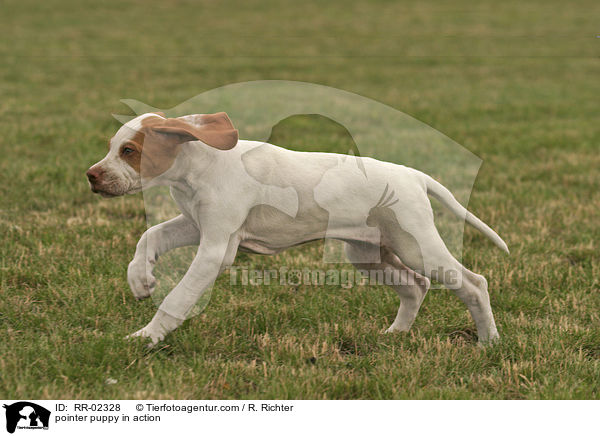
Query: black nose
[[94, 174]]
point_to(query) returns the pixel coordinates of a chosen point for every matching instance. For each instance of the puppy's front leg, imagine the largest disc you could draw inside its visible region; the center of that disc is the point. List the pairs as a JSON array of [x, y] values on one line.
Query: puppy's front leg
[[177, 232], [215, 253]]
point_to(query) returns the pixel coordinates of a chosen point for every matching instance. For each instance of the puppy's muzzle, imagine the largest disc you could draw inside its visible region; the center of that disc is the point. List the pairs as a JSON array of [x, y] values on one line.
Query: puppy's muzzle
[[94, 175]]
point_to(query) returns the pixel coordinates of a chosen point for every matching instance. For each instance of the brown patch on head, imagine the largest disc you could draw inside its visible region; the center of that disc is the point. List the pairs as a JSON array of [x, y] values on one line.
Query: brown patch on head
[[134, 158], [155, 146]]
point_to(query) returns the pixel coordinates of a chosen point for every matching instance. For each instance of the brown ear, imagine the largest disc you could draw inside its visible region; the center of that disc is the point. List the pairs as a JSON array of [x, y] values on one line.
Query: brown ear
[[215, 130]]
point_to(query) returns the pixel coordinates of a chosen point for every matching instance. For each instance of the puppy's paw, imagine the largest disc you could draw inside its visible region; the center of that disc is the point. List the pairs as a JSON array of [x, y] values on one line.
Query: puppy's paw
[[155, 337], [140, 278], [158, 328], [395, 329], [492, 338]]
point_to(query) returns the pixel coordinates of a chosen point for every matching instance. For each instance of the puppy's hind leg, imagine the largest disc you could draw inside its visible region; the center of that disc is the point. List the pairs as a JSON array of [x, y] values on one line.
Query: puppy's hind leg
[[410, 286], [427, 254]]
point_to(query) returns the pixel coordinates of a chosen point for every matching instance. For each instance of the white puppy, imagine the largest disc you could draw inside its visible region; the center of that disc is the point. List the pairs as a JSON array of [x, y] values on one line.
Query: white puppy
[[258, 197]]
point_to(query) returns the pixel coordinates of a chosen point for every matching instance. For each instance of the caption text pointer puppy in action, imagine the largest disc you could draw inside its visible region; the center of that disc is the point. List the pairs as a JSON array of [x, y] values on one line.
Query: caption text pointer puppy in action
[[257, 197]]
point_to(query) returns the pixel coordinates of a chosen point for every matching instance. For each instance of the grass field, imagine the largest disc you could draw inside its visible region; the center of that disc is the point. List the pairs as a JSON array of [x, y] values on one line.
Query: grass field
[[517, 84]]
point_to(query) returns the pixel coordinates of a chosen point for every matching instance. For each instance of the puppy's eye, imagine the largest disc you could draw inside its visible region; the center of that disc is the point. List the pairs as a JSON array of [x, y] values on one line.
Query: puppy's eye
[[126, 151]]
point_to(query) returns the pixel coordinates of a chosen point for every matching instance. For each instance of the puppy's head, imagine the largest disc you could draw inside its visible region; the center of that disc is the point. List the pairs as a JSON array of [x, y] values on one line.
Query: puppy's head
[[147, 146]]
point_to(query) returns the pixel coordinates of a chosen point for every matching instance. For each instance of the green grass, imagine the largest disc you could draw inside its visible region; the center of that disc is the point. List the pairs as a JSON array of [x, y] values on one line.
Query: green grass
[[516, 84]]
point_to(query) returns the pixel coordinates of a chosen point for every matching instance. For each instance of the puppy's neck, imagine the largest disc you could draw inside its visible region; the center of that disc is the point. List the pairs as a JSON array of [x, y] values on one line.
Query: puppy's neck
[[191, 163]]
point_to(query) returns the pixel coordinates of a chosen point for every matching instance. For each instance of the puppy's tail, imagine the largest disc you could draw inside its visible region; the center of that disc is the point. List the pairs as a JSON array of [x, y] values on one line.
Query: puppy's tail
[[440, 192]]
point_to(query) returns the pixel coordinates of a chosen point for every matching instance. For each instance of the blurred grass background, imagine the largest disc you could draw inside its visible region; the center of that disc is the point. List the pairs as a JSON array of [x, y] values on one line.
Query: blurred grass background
[[515, 83]]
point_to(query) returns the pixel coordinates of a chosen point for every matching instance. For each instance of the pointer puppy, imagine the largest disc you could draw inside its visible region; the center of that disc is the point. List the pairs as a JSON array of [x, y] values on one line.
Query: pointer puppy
[[257, 197]]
